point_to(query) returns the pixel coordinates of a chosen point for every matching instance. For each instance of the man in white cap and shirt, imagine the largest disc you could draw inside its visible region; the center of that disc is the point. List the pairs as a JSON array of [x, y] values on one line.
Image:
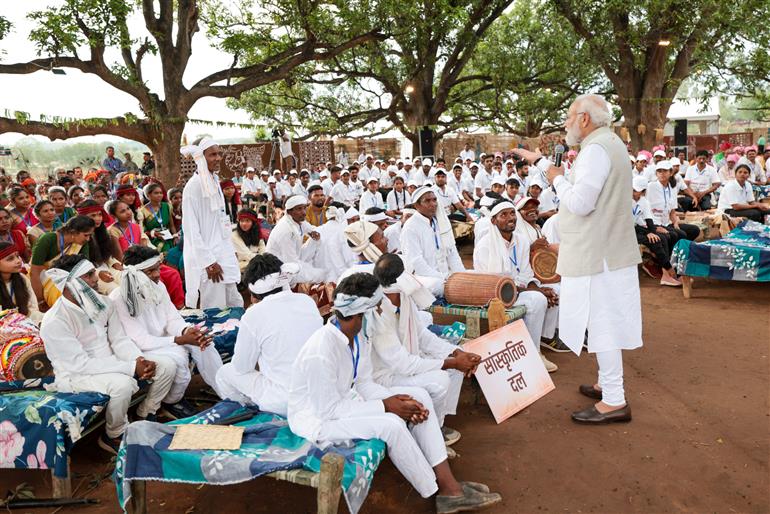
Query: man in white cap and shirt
[[286, 240], [641, 169], [598, 255], [211, 267], [427, 241], [420, 172], [371, 197], [342, 192], [251, 187], [369, 169]]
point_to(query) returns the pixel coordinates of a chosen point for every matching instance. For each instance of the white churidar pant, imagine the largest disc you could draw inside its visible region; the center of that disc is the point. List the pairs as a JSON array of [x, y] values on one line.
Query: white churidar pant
[[207, 361]]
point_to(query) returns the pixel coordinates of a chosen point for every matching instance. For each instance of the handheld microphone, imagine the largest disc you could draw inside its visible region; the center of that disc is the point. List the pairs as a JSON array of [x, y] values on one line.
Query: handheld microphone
[[558, 151]]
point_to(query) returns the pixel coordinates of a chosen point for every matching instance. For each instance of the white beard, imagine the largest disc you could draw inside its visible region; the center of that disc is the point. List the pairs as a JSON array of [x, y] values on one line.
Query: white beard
[[573, 136]]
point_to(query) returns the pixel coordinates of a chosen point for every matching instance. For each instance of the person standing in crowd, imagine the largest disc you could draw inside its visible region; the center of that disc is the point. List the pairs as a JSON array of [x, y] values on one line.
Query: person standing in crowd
[[148, 164], [467, 154], [211, 268], [112, 163], [129, 165], [598, 255]]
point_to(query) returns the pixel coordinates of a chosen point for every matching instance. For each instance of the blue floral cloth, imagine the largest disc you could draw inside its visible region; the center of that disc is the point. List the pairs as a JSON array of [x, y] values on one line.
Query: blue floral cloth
[[761, 192], [268, 446], [38, 428], [743, 254], [218, 321]]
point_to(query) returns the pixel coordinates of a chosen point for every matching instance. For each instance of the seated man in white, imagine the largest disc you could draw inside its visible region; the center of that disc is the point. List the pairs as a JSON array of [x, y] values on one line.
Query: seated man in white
[[89, 350], [272, 332], [333, 399], [427, 241], [503, 250], [407, 353], [287, 240], [157, 329]]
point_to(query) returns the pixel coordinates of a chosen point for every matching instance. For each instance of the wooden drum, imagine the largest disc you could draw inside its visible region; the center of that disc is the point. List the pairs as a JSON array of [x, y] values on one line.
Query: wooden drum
[[22, 358], [478, 289], [544, 265]]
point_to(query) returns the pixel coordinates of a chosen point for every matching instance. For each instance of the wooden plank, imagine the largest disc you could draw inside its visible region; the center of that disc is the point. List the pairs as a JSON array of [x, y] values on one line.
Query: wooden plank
[[62, 487], [687, 286], [138, 502], [330, 483], [496, 315]]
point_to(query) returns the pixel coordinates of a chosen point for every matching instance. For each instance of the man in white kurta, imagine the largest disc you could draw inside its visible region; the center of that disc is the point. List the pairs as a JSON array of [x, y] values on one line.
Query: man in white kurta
[[157, 329], [211, 267], [598, 255], [90, 351], [503, 250], [333, 399], [427, 241], [286, 240], [271, 334]]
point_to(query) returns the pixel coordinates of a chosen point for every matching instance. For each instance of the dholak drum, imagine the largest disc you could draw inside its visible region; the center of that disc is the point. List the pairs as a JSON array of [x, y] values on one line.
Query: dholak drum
[[22, 358], [478, 289], [544, 265]]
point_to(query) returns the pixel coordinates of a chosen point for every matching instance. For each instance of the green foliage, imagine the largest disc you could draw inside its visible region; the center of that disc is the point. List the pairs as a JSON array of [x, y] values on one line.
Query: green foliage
[[5, 26]]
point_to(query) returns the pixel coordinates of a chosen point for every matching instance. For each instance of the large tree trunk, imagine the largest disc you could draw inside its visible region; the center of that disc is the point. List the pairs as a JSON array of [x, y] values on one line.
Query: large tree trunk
[[165, 146]]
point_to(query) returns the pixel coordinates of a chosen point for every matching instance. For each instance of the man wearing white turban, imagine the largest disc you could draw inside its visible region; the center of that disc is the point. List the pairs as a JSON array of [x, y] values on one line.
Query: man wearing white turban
[[211, 267]]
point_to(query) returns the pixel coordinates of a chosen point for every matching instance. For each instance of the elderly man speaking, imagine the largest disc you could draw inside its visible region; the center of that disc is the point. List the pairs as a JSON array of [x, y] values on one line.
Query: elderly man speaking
[[598, 254]]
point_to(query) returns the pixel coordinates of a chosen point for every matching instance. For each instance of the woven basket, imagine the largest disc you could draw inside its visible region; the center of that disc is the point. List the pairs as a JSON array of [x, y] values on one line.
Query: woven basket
[[544, 265], [478, 289]]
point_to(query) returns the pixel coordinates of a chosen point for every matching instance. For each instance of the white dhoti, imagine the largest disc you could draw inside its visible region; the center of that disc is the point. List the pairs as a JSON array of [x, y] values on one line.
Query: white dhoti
[[208, 362], [414, 449], [535, 317], [443, 386], [608, 305], [120, 388], [252, 388], [218, 294]]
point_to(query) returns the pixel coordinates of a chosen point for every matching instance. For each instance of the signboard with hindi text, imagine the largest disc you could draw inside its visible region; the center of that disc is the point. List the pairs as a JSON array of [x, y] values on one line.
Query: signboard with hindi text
[[511, 373]]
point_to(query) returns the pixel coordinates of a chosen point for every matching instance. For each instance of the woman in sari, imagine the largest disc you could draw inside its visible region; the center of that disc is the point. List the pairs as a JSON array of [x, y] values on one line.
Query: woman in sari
[[127, 193], [70, 239], [15, 289], [21, 212], [76, 194], [101, 196], [58, 197], [232, 200], [175, 200], [13, 236], [157, 220], [47, 221], [104, 252]]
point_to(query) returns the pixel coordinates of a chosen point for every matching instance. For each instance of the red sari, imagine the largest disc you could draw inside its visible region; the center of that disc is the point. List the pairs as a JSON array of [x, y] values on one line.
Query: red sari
[[28, 220]]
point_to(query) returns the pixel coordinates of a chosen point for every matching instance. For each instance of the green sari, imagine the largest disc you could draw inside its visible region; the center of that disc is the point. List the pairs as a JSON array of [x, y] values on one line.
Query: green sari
[[158, 220]]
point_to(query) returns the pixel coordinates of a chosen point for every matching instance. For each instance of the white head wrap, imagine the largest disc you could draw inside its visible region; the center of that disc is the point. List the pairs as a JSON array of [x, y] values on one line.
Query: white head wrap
[[54, 189], [295, 201], [209, 183], [272, 281], [88, 299], [137, 289], [350, 305], [414, 297], [419, 192], [358, 235], [501, 207], [351, 213], [380, 216]]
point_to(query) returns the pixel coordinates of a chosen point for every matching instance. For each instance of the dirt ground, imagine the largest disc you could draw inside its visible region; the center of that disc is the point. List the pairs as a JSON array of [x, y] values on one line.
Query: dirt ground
[[698, 442]]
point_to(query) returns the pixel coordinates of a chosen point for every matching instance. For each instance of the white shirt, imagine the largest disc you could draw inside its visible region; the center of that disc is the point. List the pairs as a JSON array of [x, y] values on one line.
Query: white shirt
[[271, 335], [483, 181], [206, 239], [468, 154], [447, 197], [156, 326], [343, 193], [551, 230], [334, 256], [549, 201], [641, 211], [423, 247], [734, 193], [366, 172], [356, 188], [323, 387], [327, 186], [283, 188], [393, 234], [701, 180], [286, 243], [662, 201], [369, 200], [417, 175], [251, 185], [299, 189], [514, 264], [77, 347], [397, 201]]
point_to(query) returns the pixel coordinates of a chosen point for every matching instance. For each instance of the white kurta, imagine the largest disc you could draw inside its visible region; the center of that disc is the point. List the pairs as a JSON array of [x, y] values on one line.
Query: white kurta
[[608, 304], [206, 239], [286, 241], [329, 403], [369, 200], [334, 256], [153, 331], [427, 252], [271, 334]]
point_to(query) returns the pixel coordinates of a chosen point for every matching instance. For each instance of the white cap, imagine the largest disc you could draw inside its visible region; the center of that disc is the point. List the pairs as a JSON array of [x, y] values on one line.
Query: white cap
[[271, 180], [412, 183], [539, 183], [293, 172], [427, 162], [372, 179], [264, 172], [400, 161], [659, 153], [345, 171], [641, 157], [640, 183], [369, 156], [474, 165], [674, 161], [380, 216], [324, 174], [249, 168], [499, 180], [276, 171], [407, 162], [524, 200], [392, 169], [663, 165]]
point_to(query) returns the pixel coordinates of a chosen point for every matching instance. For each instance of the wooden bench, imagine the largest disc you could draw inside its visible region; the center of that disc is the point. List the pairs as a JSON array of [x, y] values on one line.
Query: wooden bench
[[473, 317], [328, 484]]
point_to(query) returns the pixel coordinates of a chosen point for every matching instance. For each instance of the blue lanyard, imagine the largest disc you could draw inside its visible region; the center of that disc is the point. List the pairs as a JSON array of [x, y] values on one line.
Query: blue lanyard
[[635, 210], [434, 225], [357, 356], [156, 215], [514, 259], [128, 234], [61, 244]]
